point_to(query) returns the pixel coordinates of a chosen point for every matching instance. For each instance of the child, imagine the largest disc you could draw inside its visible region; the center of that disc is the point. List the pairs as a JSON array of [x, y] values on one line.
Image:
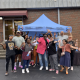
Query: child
[[26, 55]]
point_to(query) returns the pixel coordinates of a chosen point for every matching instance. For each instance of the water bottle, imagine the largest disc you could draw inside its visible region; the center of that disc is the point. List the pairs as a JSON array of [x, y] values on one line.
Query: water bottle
[[77, 49]]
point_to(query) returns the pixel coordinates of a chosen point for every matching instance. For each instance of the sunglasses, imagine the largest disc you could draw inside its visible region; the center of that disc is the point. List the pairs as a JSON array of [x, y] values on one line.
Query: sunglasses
[[18, 32], [45, 36]]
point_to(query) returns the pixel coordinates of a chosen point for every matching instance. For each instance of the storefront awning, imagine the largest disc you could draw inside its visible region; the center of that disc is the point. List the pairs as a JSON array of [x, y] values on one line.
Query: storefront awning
[[14, 13]]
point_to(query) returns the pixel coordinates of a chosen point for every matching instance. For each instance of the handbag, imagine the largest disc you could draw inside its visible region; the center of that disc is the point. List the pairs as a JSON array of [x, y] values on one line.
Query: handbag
[[63, 53]]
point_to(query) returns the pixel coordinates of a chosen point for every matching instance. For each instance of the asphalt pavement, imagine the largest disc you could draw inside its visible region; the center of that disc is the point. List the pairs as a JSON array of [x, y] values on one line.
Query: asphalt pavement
[[35, 74]]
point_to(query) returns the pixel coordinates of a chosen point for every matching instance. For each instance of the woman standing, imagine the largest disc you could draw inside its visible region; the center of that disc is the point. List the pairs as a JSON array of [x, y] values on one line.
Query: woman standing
[[41, 50], [53, 55], [35, 44], [10, 53], [65, 59], [26, 55], [71, 42]]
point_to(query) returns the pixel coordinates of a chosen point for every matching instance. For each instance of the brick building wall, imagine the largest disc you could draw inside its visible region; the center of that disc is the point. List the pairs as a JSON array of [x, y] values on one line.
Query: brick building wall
[[71, 17], [68, 17], [1, 30], [35, 14]]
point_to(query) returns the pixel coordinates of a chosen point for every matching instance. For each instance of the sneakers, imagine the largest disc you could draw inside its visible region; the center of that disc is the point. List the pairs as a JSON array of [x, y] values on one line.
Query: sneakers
[[6, 74], [13, 71], [23, 71], [27, 70], [21, 66], [46, 68], [37, 64], [34, 65], [71, 68], [51, 69], [68, 67], [14, 67], [29, 64], [57, 72], [41, 68]]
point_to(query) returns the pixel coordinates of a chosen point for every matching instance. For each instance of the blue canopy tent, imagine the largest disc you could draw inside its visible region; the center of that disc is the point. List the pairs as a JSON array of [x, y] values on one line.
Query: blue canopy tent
[[42, 24]]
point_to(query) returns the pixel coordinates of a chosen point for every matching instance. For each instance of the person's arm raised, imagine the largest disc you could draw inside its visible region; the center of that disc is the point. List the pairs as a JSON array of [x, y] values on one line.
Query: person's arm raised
[[48, 31], [13, 32], [54, 35], [34, 36], [59, 44], [27, 32], [4, 46]]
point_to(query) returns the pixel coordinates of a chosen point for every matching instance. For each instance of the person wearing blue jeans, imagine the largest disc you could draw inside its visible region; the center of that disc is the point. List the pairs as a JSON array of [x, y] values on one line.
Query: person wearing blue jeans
[[26, 55], [42, 50], [45, 60], [25, 62]]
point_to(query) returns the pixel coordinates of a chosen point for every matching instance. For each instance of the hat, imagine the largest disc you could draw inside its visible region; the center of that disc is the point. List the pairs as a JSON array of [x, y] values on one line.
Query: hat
[[18, 31]]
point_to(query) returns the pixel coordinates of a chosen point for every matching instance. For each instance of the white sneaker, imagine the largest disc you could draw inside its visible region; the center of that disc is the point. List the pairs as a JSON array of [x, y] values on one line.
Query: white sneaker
[[46, 68], [27, 70], [41, 68], [29, 65], [71, 68], [68, 67], [23, 71]]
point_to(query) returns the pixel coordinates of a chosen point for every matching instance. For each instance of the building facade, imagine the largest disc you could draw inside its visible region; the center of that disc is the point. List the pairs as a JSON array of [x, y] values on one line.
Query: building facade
[[21, 12]]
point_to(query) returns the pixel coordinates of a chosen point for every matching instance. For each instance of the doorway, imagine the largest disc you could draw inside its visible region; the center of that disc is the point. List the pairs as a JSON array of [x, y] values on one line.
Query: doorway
[[9, 25]]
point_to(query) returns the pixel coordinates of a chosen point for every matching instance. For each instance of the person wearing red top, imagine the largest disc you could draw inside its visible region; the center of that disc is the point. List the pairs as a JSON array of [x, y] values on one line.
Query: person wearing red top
[[65, 59], [41, 50]]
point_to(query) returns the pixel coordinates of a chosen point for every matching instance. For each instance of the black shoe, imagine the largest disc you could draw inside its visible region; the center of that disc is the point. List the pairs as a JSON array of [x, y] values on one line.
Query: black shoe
[[49, 65], [37, 64], [34, 65]]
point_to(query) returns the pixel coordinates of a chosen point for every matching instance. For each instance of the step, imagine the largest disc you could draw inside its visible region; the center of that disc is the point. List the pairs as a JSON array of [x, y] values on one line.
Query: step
[[2, 54], [1, 48], [2, 57], [2, 51]]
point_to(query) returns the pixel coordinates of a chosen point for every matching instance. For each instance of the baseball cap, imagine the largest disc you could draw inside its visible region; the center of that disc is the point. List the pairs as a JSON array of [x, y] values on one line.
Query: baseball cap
[[18, 31]]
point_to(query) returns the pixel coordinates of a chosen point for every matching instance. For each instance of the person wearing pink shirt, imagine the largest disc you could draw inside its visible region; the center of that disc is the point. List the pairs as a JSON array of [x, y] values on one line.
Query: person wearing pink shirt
[[42, 49]]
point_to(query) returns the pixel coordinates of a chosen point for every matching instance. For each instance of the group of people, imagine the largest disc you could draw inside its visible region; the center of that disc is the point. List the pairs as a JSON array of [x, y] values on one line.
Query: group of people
[[28, 49]]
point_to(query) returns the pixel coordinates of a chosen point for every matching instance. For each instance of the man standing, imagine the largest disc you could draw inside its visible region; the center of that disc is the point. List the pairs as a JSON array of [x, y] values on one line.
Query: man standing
[[19, 41]]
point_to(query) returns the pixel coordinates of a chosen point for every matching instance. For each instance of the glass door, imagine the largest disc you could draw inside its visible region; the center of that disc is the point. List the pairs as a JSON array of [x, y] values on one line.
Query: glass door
[[16, 23], [9, 25], [8, 28]]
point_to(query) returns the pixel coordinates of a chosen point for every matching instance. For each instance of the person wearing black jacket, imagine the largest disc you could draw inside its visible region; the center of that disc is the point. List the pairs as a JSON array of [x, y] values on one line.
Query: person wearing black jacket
[[53, 55], [71, 42]]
